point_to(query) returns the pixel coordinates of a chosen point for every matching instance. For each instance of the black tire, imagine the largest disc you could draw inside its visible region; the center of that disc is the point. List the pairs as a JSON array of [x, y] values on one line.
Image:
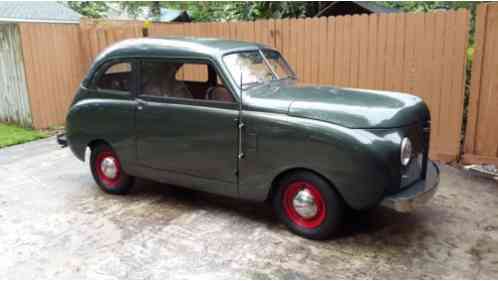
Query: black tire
[[121, 183], [331, 208]]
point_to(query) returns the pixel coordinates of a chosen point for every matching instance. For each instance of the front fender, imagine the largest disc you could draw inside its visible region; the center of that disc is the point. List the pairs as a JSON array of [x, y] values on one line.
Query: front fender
[[352, 160], [356, 162]]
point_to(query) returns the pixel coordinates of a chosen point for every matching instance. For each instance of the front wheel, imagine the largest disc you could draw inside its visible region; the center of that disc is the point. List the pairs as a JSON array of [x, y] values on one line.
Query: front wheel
[[108, 172], [309, 205]]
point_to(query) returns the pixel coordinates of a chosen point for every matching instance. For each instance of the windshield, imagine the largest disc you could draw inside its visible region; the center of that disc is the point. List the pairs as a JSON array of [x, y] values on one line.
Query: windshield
[[257, 67]]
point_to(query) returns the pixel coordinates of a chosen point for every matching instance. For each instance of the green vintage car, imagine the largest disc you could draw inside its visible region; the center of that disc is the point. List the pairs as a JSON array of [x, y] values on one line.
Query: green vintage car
[[229, 118]]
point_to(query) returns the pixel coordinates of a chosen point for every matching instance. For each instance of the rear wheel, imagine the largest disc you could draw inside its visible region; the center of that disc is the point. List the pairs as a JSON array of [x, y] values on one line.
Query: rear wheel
[[107, 171], [309, 205]]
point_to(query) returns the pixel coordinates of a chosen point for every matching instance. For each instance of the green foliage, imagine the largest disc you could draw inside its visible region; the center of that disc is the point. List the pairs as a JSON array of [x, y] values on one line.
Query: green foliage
[[263, 10], [427, 6], [10, 135], [232, 10], [132, 8], [155, 10], [250, 10], [90, 9]]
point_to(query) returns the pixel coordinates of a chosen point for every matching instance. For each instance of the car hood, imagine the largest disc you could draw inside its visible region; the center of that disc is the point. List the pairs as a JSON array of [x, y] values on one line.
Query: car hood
[[352, 108]]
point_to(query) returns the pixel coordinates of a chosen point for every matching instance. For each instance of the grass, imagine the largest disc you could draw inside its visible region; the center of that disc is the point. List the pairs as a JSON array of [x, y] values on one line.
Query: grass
[[11, 135]]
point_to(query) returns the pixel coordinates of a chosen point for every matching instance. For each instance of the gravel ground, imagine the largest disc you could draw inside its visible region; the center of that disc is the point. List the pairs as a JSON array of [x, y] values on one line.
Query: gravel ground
[[56, 223]]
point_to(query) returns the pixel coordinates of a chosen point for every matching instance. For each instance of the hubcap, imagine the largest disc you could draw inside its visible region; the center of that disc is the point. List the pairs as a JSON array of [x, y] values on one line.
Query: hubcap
[[108, 167], [304, 204]]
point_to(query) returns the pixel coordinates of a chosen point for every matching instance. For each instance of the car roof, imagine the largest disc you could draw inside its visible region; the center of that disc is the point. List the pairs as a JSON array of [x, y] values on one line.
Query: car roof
[[170, 47], [185, 47]]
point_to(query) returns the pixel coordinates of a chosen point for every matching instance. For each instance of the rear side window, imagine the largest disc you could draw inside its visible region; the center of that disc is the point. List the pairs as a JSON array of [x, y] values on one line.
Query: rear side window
[[117, 77]]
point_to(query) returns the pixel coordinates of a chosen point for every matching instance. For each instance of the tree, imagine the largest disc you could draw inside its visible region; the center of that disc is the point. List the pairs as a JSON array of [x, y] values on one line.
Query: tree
[[90, 9], [132, 8], [231, 10], [427, 6], [155, 10]]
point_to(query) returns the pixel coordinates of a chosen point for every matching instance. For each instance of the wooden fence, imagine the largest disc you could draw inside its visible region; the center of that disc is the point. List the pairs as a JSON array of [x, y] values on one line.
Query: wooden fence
[[96, 36], [52, 63], [481, 140], [418, 53]]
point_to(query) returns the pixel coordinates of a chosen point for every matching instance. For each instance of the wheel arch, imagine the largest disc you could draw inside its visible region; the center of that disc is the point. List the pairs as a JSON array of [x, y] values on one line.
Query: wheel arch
[[282, 174], [95, 142], [92, 144]]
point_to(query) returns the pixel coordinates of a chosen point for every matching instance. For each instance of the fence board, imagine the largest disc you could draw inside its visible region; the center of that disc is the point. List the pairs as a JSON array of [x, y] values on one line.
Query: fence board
[[380, 67], [481, 143], [339, 52], [331, 46], [355, 51], [372, 58], [363, 52]]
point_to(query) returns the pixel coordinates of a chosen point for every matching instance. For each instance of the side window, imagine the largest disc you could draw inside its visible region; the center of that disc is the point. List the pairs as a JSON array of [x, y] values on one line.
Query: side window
[[193, 73], [182, 80], [159, 79], [117, 77]]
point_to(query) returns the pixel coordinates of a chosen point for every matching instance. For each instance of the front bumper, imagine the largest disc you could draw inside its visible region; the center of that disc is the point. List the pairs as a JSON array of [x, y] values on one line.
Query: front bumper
[[416, 195]]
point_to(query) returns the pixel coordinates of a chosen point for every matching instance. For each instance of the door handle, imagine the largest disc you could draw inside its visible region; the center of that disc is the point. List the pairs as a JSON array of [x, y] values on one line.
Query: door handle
[[240, 127], [140, 105]]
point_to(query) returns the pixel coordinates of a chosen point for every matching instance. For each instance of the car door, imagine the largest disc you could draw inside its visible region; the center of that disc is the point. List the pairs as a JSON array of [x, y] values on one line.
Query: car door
[[186, 139]]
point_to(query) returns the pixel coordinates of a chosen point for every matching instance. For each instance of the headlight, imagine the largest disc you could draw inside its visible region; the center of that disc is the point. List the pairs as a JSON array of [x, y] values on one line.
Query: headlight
[[406, 151]]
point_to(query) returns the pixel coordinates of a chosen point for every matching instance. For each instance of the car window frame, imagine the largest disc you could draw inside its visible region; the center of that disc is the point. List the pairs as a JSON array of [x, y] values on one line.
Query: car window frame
[[179, 100], [103, 67], [235, 81]]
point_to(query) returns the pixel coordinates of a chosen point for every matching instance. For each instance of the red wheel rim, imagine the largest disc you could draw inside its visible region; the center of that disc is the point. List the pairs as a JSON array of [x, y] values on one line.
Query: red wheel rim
[[110, 181], [290, 193]]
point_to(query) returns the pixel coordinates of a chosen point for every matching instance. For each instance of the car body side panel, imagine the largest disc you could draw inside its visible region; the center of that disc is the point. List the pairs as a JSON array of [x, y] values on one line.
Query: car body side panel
[[276, 143], [110, 119], [190, 138]]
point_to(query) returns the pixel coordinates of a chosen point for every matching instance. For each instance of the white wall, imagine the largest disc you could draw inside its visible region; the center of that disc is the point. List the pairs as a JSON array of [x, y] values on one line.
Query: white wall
[[14, 102]]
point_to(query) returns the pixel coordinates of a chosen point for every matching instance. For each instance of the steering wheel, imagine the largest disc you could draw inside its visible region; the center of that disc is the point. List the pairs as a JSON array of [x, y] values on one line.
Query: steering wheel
[[209, 93]]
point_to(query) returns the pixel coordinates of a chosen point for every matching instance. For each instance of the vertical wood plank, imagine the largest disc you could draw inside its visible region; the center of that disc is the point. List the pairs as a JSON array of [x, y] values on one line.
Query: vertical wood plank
[[306, 57], [475, 90], [381, 54], [399, 55], [331, 49], [324, 50], [355, 51], [363, 52], [390, 52], [339, 51], [348, 30], [410, 59], [372, 57]]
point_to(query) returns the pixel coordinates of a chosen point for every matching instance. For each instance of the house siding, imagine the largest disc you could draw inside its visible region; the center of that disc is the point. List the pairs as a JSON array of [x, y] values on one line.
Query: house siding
[[14, 101]]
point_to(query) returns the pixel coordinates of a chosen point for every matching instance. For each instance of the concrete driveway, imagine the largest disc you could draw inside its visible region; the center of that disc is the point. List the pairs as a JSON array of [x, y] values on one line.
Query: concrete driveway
[[56, 223]]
